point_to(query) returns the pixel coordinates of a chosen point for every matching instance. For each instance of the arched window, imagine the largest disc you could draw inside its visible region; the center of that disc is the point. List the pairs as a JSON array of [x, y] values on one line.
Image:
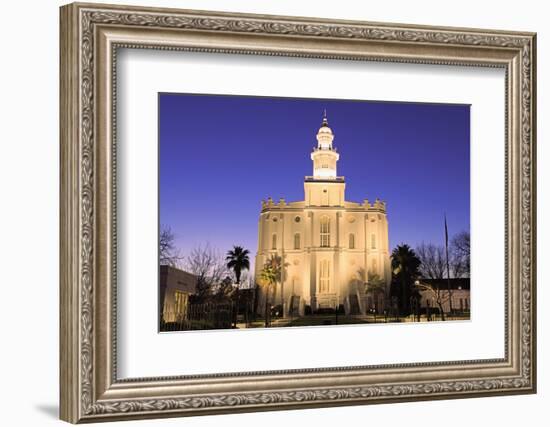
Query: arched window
[[274, 242], [373, 241], [324, 276], [352, 241], [297, 241], [325, 231], [374, 266]]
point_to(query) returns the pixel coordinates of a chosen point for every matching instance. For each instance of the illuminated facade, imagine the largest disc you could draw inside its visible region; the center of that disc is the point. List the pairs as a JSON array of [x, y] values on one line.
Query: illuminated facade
[[335, 252]]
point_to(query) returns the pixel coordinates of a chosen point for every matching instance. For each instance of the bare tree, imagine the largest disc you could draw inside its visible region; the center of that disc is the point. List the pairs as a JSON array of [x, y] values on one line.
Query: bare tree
[[459, 267], [168, 253], [432, 258], [209, 266], [460, 251], [440, 296], [433, 266]]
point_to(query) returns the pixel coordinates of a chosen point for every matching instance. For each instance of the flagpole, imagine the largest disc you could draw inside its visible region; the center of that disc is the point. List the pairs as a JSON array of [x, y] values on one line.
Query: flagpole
[[448, 273]]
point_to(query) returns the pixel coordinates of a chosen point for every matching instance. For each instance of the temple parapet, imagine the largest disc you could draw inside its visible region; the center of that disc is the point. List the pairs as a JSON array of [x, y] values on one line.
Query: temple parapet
[[378, 205], [270, 204]]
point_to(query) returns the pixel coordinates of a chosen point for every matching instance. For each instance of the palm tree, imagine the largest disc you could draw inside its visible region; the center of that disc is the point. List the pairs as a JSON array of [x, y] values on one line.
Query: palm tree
[[405, 265], [277, 264], [237, 260], [268, 277]]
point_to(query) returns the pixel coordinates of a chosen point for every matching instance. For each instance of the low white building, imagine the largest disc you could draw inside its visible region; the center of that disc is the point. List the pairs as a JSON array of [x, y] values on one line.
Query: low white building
[[335, 252], [175, 288], [458, 298]]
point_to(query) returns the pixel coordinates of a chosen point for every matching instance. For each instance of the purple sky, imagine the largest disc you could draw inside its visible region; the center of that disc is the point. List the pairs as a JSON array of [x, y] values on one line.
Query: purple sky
[[221, 155]]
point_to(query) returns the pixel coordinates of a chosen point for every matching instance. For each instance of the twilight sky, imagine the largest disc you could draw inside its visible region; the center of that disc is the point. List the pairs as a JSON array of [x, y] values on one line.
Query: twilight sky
[[221, 155]]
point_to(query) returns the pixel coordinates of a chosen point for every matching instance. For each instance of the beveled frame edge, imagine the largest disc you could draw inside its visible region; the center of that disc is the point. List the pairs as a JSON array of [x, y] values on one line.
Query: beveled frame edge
[[89, 390]]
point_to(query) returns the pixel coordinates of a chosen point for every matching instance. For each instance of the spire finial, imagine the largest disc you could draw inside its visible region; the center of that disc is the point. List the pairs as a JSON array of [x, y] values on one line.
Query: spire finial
[[325, 120]]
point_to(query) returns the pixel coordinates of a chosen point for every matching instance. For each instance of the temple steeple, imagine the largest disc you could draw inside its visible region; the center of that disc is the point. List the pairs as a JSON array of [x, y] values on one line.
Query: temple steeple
[[324, 156], [324, 187]]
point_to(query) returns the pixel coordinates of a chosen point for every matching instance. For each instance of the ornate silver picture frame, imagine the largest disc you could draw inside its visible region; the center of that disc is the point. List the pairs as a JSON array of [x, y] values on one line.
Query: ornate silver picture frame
[[90, 387]]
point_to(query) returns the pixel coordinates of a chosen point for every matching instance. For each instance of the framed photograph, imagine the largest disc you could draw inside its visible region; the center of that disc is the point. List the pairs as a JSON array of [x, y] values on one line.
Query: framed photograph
[[266, 212]]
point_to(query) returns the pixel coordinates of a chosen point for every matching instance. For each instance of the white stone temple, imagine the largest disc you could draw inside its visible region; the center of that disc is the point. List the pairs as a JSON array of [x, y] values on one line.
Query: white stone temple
[[335, 252]]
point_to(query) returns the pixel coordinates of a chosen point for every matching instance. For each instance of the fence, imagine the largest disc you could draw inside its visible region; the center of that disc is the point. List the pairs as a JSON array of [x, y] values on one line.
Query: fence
[[193, 317]]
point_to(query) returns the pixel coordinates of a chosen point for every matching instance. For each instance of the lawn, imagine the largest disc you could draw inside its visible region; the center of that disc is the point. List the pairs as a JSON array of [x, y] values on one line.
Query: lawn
[[323, 320]]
